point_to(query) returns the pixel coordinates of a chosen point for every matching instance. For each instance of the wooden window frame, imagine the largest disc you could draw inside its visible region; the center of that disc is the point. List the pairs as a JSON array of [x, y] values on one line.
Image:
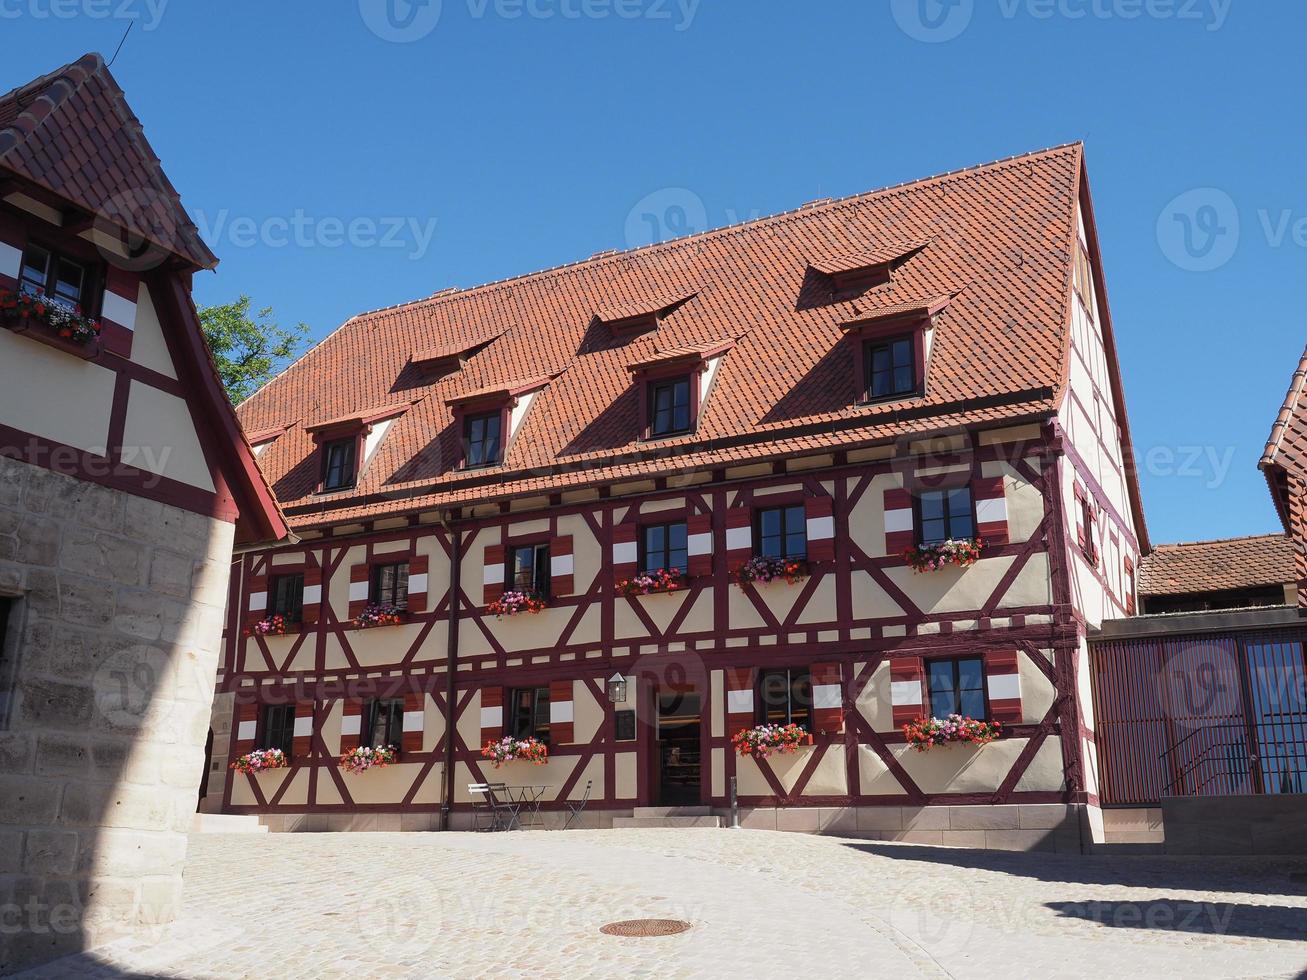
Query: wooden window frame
[[294, 612], [653, 385], [538, 731], [919, 524], [911, 327], [1090, 518], [273, 720], [92, 293], [328, 445], [465, 435], [375, 589], [869, 348], [792, 674], [955, 663], [1083, 269], [783, 509], [540, 570], [642, 549]]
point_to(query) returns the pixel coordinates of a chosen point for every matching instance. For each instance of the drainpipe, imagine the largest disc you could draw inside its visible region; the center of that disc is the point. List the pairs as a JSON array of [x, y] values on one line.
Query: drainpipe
[[451, 663]]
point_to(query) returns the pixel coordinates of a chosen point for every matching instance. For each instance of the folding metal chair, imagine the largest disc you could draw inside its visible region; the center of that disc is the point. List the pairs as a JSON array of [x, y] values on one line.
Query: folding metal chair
[[483, 813], [577, 807], [504, 806]]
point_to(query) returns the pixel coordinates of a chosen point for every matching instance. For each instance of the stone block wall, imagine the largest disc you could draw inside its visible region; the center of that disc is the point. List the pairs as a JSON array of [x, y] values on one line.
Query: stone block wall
[[117, 613]]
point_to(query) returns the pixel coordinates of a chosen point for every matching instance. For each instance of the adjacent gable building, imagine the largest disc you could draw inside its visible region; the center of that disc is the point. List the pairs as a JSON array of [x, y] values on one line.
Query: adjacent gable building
[[124, 482], [634, 506]]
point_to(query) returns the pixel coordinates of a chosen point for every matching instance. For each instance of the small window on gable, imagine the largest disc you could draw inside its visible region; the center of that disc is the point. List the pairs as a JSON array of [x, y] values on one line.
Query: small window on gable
[[339, 464], [1087, 516], [389, 585], [890, 367], [669, 406], [481, 439], [529, 570], [783, 532], [56, 277], [286, 597], [957, 687], [1084, 279], [665, 546], [946, 515]]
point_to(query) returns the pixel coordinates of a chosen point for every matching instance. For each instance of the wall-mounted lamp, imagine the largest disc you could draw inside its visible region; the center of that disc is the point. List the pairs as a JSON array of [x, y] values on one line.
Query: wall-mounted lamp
[[617, 689]]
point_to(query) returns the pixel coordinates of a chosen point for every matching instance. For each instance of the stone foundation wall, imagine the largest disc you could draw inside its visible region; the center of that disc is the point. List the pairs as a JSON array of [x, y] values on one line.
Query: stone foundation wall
[[119, 618]]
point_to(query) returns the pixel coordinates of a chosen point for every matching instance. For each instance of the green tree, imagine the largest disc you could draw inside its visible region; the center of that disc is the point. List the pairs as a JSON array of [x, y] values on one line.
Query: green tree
[[249, 350]]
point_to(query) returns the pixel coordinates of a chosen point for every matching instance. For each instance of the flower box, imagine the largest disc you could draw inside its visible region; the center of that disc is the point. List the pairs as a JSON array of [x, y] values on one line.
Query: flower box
[[763, 570], [364, 758], [651, 583], [512, 603], [261, 760], [963, 553], [275, 625], [509, 749], [767, 740], [380, 615], [50, 323], [926, 733]]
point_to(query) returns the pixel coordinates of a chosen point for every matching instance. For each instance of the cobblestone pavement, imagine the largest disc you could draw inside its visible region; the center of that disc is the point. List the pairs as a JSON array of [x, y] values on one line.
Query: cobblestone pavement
[[762, 904]]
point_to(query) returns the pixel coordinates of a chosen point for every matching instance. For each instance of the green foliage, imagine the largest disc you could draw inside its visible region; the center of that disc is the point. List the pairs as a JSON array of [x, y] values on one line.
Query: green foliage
[[249, 350]]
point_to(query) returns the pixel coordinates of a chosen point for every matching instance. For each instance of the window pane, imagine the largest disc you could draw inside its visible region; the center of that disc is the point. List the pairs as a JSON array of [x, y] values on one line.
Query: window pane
[[960, 522], [971, 675], [681, 419], [902, 354], [542, 571], [943, 699], [880, 359], [655, 551], [902, 380], [36, 267], [678, 554], [932, 506], [933, 532], [973, 704], [70, 281]]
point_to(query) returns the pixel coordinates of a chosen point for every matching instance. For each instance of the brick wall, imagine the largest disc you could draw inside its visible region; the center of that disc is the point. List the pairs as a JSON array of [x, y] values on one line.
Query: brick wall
[[118, 620]]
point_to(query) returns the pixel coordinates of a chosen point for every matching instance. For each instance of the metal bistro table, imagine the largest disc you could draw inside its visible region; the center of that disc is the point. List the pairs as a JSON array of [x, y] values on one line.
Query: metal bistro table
[[528, 797]]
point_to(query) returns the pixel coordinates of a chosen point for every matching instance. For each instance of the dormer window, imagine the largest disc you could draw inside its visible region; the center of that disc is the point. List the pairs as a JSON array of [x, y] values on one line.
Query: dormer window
[[892, 349], [339, 464], [890, 367], [481, 439], [856, 272], [669, 401], [630, 319], [488, 419], [674, 386], [348, 442]]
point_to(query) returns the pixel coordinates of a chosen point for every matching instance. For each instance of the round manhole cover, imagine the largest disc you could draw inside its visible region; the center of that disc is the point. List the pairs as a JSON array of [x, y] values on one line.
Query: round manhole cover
[[645, 927]]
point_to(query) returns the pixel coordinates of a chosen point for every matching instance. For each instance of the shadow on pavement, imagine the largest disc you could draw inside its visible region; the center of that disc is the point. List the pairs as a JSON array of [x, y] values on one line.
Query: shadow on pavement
[[1179, 915]]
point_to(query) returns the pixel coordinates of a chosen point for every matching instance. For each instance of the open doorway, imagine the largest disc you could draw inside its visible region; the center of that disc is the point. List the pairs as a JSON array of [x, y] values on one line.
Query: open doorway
[[679, 748]]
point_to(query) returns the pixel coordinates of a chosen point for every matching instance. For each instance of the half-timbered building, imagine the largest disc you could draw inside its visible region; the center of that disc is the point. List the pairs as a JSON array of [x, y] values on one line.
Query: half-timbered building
[[833, 389]]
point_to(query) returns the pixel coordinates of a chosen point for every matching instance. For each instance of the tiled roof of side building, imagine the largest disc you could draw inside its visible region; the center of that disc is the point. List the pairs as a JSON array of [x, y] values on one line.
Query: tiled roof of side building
[[1217, 566], [115, 175], [999, 240]]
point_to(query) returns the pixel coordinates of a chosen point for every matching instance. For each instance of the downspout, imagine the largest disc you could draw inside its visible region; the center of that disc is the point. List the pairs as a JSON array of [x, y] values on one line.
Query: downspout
[[451, 664]]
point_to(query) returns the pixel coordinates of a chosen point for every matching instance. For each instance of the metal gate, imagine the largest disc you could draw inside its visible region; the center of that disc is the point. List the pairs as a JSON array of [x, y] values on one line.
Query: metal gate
[[1200, 715]]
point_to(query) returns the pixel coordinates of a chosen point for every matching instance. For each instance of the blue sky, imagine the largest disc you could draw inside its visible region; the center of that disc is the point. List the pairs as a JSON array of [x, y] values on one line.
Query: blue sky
[[344, 161]]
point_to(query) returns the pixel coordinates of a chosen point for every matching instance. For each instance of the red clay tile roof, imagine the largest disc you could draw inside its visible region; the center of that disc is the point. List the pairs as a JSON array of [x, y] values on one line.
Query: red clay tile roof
[[867, 258], [1000, 233], [72, 133], [504, 388], [925, 304], [703, 349], [641, 307], [1217, 566], [444, 352]]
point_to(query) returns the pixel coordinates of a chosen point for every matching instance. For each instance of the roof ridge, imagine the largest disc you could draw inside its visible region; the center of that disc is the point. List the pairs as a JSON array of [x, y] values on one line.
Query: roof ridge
[[1211, 541], [26, 122], [725, 230], [1297, 386]]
